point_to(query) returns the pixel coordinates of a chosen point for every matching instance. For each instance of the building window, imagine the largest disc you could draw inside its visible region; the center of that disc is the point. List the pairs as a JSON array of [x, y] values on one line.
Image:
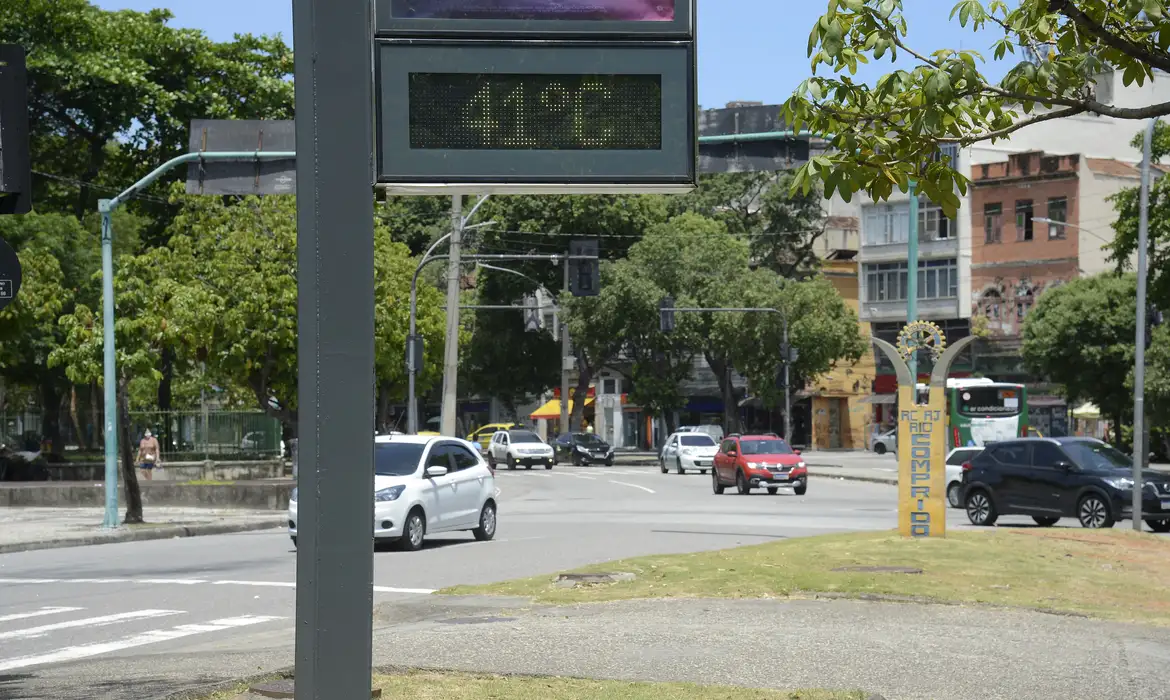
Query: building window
[[937, 279], [1024, 220], [1057, 211], [610, 386], [886, 224], [993, 223], [933, 225]]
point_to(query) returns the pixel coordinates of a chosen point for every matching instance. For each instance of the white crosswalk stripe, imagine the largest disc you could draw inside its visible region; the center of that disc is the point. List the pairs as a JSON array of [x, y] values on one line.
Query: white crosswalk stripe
[[117, 641]]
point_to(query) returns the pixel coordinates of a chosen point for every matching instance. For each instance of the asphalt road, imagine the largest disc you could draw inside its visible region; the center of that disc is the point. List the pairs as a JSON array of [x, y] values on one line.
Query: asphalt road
[[141, 620]]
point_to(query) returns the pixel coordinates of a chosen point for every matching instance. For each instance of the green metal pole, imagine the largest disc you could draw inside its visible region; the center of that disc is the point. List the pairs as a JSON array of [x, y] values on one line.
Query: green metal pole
[[106, 208], [912, 275]]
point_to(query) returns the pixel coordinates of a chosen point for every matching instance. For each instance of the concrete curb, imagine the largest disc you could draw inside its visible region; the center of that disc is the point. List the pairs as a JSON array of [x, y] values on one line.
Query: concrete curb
[[866, 479], [164, 532]]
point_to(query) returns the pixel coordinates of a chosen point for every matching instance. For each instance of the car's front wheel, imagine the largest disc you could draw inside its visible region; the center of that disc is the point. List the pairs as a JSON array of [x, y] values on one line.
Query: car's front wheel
[[879, 449], [414, 531], [511, 462], [955, 495], [1094, 513], [801, 488], [741, 483], [487, 523], [678, 466]]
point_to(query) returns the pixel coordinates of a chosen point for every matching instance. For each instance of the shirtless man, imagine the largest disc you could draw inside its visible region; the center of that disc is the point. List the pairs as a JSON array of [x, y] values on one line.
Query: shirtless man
[[149, 455]]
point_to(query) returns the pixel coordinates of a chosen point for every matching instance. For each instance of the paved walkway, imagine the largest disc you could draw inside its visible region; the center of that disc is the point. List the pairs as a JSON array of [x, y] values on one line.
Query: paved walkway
[[47, 528], [902, 651]]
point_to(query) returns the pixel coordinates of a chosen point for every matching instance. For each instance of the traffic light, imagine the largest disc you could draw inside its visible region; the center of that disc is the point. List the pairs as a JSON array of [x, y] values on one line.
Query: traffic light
[[1154, 318], [584, 275], [531, 315], [15, 163], [666, 315]]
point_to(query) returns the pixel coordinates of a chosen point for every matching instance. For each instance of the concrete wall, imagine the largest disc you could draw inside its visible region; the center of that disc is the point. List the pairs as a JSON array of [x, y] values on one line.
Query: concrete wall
[[265, 495], [177, 471]]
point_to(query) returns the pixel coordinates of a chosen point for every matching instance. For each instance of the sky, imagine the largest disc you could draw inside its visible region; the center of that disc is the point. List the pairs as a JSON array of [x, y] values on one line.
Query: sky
[[750, 50]]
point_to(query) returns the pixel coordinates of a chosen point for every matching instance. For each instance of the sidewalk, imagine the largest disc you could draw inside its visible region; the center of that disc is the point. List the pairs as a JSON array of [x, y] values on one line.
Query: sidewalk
[[902, 651], [23, 529]]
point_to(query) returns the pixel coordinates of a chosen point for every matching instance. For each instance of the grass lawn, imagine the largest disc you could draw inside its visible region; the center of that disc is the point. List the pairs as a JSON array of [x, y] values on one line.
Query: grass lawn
[[1113, 574], [424, 685]]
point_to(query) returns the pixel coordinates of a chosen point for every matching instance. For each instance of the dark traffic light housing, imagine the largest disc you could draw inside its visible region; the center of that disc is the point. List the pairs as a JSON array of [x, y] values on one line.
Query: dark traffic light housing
[[584, 275], [666, 315], [15, 161]]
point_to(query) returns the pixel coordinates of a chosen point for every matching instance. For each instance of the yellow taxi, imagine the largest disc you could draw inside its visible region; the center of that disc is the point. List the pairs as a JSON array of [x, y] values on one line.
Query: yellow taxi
[[483, 434]]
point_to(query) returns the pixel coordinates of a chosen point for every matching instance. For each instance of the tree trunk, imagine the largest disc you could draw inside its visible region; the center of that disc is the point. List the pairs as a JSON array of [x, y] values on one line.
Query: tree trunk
[[77, 426], [99, 433], [722, 370], [50, 415], [129, 474], [580, 393]]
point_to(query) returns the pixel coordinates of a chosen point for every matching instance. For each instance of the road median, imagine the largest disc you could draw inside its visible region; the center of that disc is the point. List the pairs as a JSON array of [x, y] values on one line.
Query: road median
[[1116, 575]]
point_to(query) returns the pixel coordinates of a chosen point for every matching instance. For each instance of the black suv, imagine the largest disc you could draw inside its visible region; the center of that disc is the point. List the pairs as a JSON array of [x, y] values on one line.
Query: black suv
[[1052, 478]]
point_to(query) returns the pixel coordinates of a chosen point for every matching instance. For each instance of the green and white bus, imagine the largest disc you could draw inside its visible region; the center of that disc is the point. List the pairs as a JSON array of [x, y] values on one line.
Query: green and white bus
[[981, 410]]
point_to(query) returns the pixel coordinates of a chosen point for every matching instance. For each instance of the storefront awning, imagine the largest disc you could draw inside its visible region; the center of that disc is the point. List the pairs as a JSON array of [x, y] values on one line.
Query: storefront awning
[[880, 398], [552, 409]]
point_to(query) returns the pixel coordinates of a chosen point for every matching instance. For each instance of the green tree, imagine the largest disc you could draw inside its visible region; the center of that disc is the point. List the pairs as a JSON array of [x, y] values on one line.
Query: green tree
[[112, 94], [1081, 336], [885, 135], [1127, 203], [781, 225]]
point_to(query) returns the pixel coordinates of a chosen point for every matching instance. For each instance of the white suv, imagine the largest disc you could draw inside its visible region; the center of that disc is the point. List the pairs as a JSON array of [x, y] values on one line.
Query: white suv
[[424, 485], [514, 447]]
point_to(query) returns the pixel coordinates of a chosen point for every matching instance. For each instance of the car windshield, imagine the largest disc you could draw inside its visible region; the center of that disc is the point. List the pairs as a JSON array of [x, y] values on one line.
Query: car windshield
[[523, 436], [765, 447], [587, 439], [397, 458], [696, 440], [1097, 455]]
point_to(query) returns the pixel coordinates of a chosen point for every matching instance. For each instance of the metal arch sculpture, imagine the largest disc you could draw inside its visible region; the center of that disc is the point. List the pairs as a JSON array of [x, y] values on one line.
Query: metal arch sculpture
[[922, 442]]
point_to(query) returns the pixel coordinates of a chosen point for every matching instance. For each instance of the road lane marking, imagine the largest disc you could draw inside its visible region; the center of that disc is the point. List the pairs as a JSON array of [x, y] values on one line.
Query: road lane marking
[[87, 622], [85, 651], [187, 582], [38, 613], [635, 486]]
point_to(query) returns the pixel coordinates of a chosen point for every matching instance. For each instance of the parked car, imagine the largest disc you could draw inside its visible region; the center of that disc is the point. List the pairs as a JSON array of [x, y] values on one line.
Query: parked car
[[955, 460], [885, 442], [516, 447], [425, 485], [483, 434], [1054, 478], [753, 461], [582, 449], [688, 451]]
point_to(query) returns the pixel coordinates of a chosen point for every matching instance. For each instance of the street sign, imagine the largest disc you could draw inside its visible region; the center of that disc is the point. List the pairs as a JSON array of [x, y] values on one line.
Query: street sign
[[533, 97], [10, 274], [15, 162], [242, 177]]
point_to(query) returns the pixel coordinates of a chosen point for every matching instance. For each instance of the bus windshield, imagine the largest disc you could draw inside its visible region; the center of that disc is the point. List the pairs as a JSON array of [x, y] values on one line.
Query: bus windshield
[[994, 401]]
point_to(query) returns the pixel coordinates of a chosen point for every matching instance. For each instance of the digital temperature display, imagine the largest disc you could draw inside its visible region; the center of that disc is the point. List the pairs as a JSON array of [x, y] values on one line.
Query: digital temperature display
[[474, 111]]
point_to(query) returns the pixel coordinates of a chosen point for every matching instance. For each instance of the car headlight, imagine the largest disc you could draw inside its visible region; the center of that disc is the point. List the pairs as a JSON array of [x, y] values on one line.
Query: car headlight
[[756, 465], [1120, 483], [582, 448], [801, 464], [293, 497], [687, 451], [389, 494]]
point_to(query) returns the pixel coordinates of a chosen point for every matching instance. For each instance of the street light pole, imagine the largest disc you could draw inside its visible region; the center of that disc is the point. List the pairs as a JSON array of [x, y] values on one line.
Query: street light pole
[[566, 368], [1139, 374], [451, 344], [912, 278], [787, 383]]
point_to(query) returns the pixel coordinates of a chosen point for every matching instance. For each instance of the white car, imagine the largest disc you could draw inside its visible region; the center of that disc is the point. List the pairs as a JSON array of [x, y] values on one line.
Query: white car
[[688, 450], [885, 442], [513, 447], [424, 485], [955, 460]]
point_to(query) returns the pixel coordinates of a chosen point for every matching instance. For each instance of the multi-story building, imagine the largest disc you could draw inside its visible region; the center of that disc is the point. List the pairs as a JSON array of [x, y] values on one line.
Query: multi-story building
[[1038, 221]]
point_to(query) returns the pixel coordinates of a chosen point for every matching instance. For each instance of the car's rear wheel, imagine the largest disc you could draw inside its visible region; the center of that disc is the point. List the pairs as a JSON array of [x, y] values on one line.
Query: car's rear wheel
[[955, 495], [879, 449], [1094, 513], [414, 531], [294, 539], [980, 509], [715, 485], [609, 461], [1155, 525], [487, 523], [678, 465], [741, 483], [511, 462], [1045, 521]]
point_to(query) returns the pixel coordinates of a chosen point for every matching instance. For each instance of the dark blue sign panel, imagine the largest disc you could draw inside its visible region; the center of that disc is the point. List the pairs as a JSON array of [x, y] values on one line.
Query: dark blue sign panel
[[10, 274], [545, 17]]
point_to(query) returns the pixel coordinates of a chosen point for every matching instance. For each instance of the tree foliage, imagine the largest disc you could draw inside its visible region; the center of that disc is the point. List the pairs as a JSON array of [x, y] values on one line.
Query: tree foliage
[[1081, 336], [886, 135], [1127, 204]]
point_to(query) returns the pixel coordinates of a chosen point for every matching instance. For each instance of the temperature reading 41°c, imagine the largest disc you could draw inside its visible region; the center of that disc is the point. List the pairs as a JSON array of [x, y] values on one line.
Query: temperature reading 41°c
[[463, 111]]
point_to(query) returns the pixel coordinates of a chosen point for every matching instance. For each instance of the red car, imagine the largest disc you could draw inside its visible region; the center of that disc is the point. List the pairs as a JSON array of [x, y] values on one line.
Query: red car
[[754, 461]]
